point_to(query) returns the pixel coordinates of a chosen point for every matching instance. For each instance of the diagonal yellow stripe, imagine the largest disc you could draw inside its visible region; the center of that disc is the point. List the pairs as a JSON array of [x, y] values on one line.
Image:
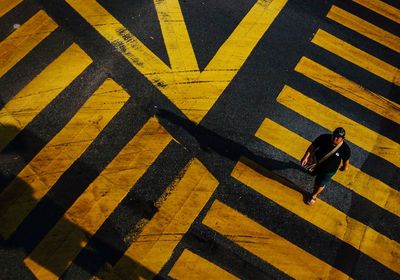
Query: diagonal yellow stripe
[[381, 8], [356, 56], [272, 248], [324, 216], [365, 28], [58, 155], [8, 5], [356, 133], [63, 243], [349, 89], [354, 179], [28, 103], [155, 244], [24, 39], [190, 265]]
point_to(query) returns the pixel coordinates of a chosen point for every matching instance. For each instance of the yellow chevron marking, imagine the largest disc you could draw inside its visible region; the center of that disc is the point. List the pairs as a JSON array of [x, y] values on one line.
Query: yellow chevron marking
[[267, 245], [28, 103], [16, 201], [381, 8], [324, 216], [365, 28], [354, 179], [349, 89], [358, 134], [24, 39], [159, 237], [184, 85], [63, 243], [8, 5], [356, 56], [190, 265]]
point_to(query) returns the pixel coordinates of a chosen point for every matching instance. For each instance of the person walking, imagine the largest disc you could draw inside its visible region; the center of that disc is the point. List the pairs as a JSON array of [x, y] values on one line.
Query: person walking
[[323, 158]]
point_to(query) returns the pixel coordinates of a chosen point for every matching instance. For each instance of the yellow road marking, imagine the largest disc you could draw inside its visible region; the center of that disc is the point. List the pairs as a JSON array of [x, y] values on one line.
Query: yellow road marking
[[349, 89], [381, 8], [324, 216], [155, 244], [63, 243], [356, 56], [358, 134], [58, 155], [186, 89], [354, 179], [365, 28], [24, 39], [190, 265], [28, 103], [8, 5], [267, 245]]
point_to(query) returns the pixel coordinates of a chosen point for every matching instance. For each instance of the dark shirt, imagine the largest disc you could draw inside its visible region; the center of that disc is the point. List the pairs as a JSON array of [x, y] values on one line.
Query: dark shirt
[[323, 145]]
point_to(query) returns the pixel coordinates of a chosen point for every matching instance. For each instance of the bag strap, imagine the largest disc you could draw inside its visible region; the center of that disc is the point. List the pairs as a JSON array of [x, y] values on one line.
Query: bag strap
[[331, 152]]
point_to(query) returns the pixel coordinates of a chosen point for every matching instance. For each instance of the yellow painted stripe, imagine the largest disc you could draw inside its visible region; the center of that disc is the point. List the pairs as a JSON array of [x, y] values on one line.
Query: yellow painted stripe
[[267, 245], [324, 216], [191, 266], [58, 155], [356, 133], [356, 56], [63, 243], [349, 89], [28, 103], [24, 39], [354, 179], [365, 28], [8, 5], [159, 237], [381, 8], [176, 37]]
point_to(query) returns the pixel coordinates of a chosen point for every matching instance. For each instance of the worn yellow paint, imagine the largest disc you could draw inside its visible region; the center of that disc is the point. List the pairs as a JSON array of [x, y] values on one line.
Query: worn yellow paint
[[24, 39], [191, 266], [8, 5], [16, 201], [365, 28], [354, 179], [28, 103], [356, 133], [324, 216], [191, 91], [330, 79], [272, 248], [63, 243], [159, 237], [356, 56], [381, 8]]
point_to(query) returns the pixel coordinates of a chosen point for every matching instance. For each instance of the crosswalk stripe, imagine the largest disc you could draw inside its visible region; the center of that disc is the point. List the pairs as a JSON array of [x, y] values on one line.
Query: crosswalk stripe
[[24, 39], [159, 237], [63, 243], [349, 89], [356, 56], [354, 179], [267, 245], [32, 99], [381, 8], [8, 5], [324, 216], [190, 265], [358, 134], [58, 155], [365, 28]]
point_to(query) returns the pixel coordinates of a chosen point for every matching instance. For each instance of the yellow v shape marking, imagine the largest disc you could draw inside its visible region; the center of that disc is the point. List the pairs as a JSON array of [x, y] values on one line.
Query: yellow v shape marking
[[191, 90]]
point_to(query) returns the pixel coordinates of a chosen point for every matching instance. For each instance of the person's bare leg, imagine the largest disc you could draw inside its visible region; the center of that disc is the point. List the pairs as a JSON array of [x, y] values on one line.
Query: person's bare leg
[[317, 191]]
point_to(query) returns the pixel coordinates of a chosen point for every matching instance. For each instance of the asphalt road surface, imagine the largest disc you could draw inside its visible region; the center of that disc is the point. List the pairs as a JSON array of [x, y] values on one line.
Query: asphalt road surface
[[161, 139]]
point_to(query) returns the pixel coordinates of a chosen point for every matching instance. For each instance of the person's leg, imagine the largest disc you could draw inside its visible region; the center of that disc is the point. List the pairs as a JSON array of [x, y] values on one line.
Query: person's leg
[[321, 180]]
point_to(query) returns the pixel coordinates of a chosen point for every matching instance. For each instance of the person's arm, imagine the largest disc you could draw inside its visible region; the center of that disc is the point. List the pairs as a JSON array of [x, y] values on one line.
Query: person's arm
[[307, 154], [345, 165]]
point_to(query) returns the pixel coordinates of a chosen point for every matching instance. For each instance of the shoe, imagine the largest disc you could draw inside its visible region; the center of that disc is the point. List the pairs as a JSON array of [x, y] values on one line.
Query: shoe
[[311, 201]]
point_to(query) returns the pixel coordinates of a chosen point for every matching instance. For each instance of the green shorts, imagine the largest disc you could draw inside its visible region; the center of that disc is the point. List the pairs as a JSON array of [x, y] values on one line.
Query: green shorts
[[323, 179]]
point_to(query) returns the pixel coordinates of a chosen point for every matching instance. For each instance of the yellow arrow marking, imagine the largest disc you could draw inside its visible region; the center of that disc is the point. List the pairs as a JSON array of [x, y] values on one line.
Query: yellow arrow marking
[[192, 92]]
